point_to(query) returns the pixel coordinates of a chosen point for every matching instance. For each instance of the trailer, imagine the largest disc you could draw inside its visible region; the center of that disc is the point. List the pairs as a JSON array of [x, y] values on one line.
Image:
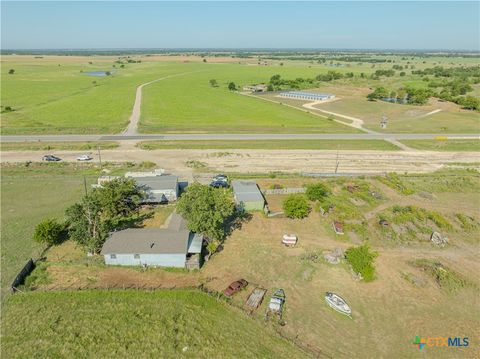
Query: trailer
[[255, 299]]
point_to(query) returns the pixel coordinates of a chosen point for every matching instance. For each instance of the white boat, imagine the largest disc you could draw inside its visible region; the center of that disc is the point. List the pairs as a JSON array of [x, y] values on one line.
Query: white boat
[[338, 303]]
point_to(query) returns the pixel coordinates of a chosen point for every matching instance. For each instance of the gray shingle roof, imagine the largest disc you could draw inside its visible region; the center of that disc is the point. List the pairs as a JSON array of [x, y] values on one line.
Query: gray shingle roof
[[246, 191], [176, 238], [158, 183], [146, 241]]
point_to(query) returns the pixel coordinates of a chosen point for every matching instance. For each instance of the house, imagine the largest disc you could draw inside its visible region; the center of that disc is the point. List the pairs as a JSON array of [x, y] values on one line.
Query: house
[[159, 189], [247, 196], [174, 246]]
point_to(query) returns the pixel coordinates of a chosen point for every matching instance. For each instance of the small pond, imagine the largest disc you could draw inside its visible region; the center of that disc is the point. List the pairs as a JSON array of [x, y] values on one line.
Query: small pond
[[96, 73]]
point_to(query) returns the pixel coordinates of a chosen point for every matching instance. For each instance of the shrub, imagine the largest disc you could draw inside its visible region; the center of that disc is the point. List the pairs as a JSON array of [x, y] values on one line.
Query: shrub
[[445, 277], [361, 259], [316, 192], [49, 232], [296, 206]]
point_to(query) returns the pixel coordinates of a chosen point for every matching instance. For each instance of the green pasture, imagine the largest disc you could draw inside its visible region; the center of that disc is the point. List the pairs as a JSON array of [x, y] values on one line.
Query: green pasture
[[134, 324]]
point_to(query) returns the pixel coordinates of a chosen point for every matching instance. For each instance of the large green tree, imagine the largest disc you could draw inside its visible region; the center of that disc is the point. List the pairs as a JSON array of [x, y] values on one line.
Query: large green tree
[[113, 206], [209, 211]]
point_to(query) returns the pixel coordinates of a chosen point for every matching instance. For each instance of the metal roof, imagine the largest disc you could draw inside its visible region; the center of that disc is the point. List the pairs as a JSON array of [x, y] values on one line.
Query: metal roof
[[146, 241], [246, 191], [156, 183], [176, 238]]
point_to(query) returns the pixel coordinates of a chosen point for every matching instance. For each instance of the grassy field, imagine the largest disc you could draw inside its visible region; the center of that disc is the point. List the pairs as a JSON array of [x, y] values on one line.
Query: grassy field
[[448, 145], [112, 324], [63, 146], [190, 104], [56, 95], [272, 145], [29, 195]]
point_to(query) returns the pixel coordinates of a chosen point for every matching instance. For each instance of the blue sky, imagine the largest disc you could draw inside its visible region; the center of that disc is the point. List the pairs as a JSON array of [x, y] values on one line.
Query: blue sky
[[356, 25]]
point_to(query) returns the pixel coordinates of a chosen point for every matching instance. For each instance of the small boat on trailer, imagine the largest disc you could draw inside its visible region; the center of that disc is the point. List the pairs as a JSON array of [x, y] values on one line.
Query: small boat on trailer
[[338, 303]]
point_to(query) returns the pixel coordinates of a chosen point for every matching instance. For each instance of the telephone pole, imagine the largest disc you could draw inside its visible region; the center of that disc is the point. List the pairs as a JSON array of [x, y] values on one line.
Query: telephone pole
[[99, 155]]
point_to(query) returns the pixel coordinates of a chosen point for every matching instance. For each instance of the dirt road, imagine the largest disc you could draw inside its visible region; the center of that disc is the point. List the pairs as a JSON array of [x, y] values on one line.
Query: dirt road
[[264, 161], [132, 127]]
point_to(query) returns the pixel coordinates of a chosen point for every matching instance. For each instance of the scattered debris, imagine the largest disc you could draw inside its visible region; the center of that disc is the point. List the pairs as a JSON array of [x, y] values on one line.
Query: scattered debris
[[414, 279], [352, 188], [376, 195], [255, 298], [275, 306], [289, 240], [384, 222], [338, 227], [438, 239], [335, 256]]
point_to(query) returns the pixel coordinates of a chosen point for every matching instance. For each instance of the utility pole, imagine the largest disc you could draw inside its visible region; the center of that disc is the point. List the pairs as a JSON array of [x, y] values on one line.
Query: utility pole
[[99, 155], [85, 185], [338, 163]]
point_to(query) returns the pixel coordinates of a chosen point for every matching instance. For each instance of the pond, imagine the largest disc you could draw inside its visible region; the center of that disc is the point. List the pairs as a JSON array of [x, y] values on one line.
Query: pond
[[96, 73]]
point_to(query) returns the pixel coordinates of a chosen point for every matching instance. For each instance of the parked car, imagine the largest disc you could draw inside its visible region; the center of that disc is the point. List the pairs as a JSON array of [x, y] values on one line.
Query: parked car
[[51, 158], [235, 287], [220, 177], [84, 158], [219, 184]]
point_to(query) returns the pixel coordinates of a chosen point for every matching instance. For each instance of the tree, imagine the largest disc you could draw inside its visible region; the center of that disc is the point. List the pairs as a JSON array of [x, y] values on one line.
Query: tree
[[11, 71], [296, 206], [232, 86], [378, 93], [108, 73], [213, 83], [316, 192], [49, 232], [209, 211], [402, 73], [114, 206], [469, 103], [204, 60]]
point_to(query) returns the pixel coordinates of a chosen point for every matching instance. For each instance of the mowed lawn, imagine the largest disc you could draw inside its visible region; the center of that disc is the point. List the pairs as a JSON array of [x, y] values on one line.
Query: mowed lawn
[[30, 195], [134, 324], [190, 104], [52, 98]]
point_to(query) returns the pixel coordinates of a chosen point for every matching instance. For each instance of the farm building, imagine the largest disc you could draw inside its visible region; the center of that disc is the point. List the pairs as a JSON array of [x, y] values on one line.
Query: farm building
[[298, 95], [174, 246], [247, 196], [159, 187], [255, 88]]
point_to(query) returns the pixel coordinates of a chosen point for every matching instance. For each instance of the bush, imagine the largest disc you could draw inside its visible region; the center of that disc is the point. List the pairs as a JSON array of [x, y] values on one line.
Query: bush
[[296, 206], [49, 232], [361, 259], [316, 192]]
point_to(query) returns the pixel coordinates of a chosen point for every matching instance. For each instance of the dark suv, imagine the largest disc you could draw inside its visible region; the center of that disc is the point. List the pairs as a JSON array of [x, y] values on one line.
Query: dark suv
[[51, 158]]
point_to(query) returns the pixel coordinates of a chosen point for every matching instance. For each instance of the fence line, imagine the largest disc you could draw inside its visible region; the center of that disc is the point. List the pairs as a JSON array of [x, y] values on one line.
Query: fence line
[[284, 190]]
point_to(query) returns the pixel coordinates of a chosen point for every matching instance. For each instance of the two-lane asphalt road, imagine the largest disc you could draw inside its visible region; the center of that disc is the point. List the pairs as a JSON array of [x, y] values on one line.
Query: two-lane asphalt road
[[233, 137]]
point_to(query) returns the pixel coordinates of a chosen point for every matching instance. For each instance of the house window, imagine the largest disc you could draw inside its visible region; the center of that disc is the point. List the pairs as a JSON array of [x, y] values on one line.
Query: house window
[[113, 256], [136, 256]]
